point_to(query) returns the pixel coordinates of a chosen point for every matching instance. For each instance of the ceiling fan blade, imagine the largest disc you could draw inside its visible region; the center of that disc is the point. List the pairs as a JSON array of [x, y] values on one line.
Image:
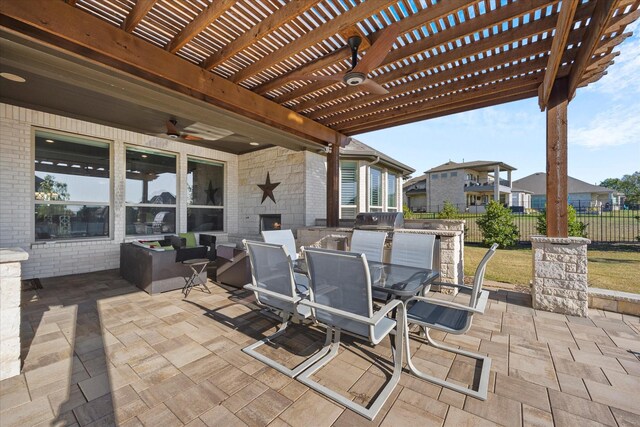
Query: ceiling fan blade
[[172, 130], [378, 50], [373, 87], [191, 137], [335, 77]]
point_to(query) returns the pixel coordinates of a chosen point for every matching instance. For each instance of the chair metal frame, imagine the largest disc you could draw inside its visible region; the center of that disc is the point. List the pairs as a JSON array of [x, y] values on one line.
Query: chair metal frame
[[285, 317], [334, 332], [477, 305]]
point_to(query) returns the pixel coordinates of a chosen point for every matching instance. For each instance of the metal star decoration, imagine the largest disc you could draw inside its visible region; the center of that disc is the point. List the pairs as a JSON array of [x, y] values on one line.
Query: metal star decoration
[[267, 189]]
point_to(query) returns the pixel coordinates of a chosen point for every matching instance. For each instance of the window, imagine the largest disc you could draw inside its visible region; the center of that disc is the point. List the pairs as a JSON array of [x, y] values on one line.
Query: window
[[205, 195], [375, 190], [434, 176], [443, 175], [392, 185], [150, 192], [452, 174], [348, 189], [72, 187]]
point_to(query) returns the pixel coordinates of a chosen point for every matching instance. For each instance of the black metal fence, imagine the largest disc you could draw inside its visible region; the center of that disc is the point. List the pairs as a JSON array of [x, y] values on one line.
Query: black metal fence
[[604, 223]]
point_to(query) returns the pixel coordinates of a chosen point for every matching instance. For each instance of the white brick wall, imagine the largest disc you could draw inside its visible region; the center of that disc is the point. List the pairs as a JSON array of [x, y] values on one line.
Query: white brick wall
[[315, 188], [16, 191]]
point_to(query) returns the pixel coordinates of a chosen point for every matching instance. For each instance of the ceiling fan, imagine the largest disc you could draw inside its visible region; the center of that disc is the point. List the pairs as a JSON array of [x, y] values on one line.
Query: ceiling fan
[[173, 132], [357, 75]]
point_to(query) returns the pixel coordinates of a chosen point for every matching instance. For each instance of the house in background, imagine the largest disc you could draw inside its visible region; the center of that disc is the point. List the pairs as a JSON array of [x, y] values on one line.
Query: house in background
[[520, 198], [415, 193], [582, 195], [468, 185], [370, 181]]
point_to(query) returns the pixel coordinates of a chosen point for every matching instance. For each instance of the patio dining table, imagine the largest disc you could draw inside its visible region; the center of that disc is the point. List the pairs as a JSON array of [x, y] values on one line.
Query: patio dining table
[[399, 281]]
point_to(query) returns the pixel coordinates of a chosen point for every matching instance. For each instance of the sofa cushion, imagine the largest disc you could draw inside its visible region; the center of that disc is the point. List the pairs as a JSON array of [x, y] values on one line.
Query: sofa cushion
[[190, 239]]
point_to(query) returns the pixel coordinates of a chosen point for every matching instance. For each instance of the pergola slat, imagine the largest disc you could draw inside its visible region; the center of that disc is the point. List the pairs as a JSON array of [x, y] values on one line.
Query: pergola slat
[[203, 20]]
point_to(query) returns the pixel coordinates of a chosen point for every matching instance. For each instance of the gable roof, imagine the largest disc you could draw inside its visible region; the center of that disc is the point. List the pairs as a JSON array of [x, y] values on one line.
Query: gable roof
[[414, 180], [481, 165], [537, 184], [358, 150]]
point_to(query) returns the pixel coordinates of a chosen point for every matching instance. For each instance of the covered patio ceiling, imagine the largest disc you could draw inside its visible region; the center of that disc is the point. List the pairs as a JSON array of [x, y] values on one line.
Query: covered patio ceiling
[[270, 60]]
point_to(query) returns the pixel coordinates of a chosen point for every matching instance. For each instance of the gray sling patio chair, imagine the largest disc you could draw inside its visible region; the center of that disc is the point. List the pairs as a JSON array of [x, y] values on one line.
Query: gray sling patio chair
[[452, 318], [370, 243], [340, 298], [413, 250], [285, 237], [273, 284]]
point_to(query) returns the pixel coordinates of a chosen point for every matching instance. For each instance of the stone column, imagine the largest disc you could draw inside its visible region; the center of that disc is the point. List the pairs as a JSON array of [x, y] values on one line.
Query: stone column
[[560, 275], [10, 288], [496, 183]]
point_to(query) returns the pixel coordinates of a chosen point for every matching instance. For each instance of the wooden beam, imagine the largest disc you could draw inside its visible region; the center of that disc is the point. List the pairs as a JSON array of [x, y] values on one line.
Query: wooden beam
[[453, 33], [611, 43], [69, 29], [333, 185], [458, 107], [593, 79], [281, 16], [559, 45], [338, 24], [137, 13], [513, 86], [199, 23], [600, 61], [557, 178], [596, 28], [71, 2]]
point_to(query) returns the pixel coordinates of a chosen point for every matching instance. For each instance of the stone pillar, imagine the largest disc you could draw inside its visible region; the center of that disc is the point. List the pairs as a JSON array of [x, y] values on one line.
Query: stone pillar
[[496, 183], [560, 275], [10, 288]]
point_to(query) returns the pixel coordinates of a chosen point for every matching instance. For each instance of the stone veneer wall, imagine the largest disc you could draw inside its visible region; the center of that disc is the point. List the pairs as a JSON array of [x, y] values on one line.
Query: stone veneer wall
[[69, 257], [10, 288], [560, 275], [300, 197]]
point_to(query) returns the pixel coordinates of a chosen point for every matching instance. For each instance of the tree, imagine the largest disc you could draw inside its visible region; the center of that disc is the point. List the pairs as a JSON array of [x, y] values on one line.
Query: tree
[[576, 228], [406, 212], [50, 189], [629, 185], [449, 211], [497, 226]]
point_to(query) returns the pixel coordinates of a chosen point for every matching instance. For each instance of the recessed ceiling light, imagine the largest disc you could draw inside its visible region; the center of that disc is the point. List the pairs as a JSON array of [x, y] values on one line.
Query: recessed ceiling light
[[13, 77], [50, 141], [254, 143], [144, 156]]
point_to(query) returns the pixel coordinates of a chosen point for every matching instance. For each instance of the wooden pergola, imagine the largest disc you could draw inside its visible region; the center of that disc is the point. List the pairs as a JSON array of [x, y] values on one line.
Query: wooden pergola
[[281, 62]]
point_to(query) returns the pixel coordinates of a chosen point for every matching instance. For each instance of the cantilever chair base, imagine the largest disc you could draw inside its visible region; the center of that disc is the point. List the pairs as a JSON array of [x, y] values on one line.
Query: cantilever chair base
[[483, 382], [370, 412], [251, 350]]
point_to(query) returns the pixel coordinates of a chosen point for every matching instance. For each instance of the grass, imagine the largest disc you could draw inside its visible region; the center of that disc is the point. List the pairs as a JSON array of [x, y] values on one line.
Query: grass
[[608, 269]]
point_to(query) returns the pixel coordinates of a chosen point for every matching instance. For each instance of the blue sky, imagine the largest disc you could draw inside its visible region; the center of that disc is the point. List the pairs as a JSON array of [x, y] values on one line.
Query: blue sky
[[604, 129]]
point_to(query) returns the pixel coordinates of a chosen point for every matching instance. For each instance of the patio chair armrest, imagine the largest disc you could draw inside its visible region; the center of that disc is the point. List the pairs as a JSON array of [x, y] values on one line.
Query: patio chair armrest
[[342, 313], [449, 304], [272, 294], [482, 301], [386, 309]]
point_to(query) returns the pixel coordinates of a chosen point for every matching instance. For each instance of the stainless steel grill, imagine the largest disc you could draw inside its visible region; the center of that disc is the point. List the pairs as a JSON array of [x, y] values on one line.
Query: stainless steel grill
[[388, 221]]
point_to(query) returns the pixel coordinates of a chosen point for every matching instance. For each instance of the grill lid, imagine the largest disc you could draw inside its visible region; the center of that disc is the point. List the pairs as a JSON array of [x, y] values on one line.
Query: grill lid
[[379, 220]]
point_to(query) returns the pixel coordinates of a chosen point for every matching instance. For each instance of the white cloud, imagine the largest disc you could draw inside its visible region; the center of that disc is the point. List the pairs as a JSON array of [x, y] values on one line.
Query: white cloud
[[619, 125], [622, 78]]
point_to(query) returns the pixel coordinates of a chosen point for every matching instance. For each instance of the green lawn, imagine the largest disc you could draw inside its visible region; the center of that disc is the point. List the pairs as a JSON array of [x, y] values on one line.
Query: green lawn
[[615, 270]]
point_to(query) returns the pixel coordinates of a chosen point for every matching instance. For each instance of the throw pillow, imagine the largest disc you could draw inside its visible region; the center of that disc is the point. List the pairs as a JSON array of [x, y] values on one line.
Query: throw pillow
[[190, 239]]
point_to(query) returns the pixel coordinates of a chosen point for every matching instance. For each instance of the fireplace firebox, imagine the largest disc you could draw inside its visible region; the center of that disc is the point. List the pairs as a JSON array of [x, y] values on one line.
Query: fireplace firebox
[[270, 222]]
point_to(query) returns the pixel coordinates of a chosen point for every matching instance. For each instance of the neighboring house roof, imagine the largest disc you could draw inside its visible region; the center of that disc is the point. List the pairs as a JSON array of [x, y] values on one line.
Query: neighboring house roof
[[414, 180], [537, 184], [358, 150], [479, 165], [520, 190]]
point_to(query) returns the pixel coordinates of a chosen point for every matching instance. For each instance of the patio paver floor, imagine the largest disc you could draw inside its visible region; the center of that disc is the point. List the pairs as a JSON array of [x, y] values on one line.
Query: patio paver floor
[[98, 351]]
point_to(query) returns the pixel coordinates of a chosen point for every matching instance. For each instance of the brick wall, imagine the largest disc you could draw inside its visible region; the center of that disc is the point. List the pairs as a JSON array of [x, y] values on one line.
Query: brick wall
[[444, 189], [315, 188], [16, 191]]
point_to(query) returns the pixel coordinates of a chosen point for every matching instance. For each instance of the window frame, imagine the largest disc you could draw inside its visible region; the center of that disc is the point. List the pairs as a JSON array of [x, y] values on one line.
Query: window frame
[[357, 185], [392, 208], [151, 150], [33, 204], [211, 207], [370, 206]]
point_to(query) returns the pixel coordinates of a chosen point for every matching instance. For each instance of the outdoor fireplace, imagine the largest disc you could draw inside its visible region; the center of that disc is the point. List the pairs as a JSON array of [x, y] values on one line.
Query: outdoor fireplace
[[270, 222]]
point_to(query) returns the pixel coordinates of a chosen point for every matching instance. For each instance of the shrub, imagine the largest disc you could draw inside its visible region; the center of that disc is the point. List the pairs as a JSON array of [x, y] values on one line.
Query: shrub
[[497, 226], [449, 211], [406, 212], [576, 228]]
